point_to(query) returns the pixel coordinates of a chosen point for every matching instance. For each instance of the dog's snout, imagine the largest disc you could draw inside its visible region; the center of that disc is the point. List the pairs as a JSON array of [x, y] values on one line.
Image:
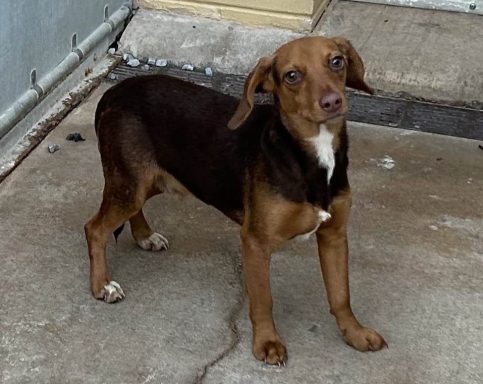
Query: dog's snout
[[331, 102]]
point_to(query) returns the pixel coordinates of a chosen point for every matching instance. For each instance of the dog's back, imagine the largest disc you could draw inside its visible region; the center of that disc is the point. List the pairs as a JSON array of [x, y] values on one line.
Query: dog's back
[[182, 128]]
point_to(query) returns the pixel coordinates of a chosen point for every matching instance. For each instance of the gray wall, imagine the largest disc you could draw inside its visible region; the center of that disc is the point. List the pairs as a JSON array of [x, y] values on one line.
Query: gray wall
[[38, 34]]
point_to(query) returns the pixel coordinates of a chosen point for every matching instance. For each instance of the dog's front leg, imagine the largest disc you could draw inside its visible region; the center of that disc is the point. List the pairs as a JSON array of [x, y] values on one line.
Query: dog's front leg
[[333, 254], [267, 345]]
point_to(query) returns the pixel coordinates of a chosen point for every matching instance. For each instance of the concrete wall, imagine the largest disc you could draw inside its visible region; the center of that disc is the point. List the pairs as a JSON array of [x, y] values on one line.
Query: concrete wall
[[301, 15], [468, 6]]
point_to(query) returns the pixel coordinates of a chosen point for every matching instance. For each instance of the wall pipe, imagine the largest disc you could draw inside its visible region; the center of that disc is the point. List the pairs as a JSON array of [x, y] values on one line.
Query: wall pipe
[[25, 103]]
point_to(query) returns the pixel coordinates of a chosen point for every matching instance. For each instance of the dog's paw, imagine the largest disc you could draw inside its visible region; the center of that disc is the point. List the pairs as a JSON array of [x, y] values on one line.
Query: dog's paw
[[364, 339], [155, 242], [112, 292], [271, 352]]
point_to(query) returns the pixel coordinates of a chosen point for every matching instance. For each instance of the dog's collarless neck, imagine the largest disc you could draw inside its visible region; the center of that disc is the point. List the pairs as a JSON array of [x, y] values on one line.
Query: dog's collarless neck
[[293, 169]]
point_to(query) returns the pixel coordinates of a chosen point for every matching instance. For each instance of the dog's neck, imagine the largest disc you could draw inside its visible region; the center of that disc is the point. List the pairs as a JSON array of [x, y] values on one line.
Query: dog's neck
[[305, 131], [319, 140], [301, 128]]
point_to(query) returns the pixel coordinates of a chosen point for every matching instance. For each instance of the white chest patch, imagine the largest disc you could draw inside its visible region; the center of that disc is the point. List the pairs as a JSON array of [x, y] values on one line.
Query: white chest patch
[[323, 217], [324, 151]]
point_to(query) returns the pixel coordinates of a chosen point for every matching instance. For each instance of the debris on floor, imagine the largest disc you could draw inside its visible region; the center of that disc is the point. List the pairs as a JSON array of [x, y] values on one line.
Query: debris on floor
[[188, 67], [386, 162], [53, 148], [133, 62], [76, 136]]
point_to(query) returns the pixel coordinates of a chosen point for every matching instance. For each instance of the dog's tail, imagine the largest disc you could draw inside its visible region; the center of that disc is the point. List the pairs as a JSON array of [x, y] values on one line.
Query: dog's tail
[[118, 231]]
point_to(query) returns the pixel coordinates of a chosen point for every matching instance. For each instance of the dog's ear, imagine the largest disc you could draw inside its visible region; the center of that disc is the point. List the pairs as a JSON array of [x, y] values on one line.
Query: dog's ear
[[260, 78], [355, 66]]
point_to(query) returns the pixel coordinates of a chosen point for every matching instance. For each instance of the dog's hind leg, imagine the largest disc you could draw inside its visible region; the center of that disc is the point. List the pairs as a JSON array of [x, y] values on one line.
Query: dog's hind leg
[[145, 237], [114, 211]]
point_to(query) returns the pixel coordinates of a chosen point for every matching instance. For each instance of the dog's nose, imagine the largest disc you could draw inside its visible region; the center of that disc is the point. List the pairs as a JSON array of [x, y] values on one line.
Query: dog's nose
[[331, 102]]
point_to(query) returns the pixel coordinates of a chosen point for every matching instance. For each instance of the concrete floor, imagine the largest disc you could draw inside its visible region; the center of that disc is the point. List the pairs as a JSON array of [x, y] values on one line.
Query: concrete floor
[[416, 276]]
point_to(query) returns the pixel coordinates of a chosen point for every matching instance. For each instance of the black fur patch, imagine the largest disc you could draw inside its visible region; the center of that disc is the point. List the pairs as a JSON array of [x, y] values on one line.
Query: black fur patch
[[183, 128], [118, 231]]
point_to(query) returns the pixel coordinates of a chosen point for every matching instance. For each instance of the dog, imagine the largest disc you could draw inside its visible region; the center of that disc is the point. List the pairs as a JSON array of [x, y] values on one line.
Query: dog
[[279, 171]]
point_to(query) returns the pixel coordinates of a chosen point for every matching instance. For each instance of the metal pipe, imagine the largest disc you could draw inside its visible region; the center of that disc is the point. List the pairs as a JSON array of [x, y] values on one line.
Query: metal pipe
[[25, 103], [59, 73], [17, 111]]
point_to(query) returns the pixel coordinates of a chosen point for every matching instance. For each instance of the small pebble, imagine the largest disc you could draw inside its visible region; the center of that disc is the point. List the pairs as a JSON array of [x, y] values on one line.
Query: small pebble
[[433, 227], [187, 67], [53, 148], [386, 162], [112, 76], [133, 62], [111, 51], [126, 57], [145, 67], [161, 63], [151, 61], [208, 71]]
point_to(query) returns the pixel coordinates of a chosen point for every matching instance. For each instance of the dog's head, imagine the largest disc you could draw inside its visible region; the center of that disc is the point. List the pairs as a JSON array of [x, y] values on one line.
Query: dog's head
[[308, 77]]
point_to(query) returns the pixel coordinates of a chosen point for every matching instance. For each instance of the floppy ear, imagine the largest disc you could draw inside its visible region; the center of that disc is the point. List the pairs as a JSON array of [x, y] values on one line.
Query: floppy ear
[[355, 66], [259, 77]]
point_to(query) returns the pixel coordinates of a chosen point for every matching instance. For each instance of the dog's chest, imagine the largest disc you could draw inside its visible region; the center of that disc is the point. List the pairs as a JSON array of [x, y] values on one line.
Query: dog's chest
[[321, 217], [324, 151], [306, 171]]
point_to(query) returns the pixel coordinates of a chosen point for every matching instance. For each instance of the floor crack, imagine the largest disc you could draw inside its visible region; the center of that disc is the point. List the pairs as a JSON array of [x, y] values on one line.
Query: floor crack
[[232, 319]]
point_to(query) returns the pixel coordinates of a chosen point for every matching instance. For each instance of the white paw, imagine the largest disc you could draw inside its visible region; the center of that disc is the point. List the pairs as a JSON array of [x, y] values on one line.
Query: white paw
[[155, 242], [113, 292], [324, 216]]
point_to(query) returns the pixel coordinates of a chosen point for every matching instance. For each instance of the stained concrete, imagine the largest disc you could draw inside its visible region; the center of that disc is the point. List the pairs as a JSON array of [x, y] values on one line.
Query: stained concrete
[[225, 46], [427, 54], [416, 276]]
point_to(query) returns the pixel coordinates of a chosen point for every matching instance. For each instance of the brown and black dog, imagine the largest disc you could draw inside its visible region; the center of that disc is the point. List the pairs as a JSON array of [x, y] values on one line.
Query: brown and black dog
[[280, 171]]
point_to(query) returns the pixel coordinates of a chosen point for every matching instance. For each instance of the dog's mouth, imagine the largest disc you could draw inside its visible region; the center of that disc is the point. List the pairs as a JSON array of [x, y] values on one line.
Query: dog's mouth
[[326, 117], [334, 117]]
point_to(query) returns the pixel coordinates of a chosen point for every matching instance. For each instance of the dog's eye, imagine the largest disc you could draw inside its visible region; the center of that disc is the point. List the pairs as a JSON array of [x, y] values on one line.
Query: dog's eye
[[337, 63], [293, 77]]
